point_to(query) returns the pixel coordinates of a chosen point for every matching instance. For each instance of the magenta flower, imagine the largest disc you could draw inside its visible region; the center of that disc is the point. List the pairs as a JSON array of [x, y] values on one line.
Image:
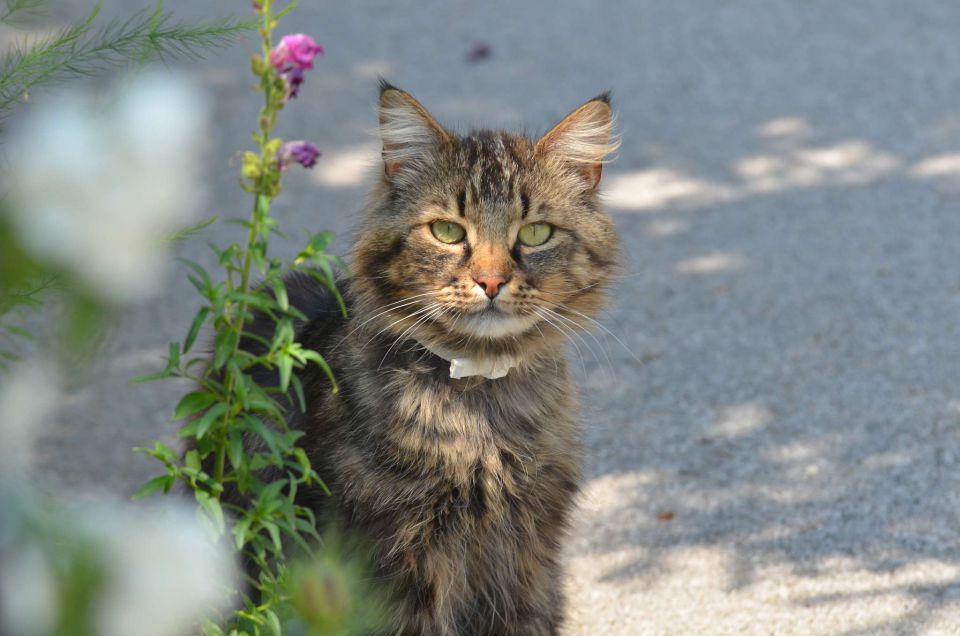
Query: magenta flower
[[295, 51], [303, 152]]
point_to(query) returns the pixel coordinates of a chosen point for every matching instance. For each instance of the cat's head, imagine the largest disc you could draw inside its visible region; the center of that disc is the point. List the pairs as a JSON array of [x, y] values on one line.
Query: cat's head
[[488, 242]]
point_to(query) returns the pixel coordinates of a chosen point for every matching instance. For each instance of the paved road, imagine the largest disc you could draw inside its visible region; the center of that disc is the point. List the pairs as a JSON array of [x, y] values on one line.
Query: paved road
[[775, 448]]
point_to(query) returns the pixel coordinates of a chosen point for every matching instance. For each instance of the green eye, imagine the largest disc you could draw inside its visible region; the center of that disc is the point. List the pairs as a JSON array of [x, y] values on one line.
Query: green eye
[[535, 234], [447, 231]]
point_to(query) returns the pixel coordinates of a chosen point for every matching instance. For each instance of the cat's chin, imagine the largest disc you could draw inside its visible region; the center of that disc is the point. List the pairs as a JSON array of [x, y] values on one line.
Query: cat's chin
[[488, 324]]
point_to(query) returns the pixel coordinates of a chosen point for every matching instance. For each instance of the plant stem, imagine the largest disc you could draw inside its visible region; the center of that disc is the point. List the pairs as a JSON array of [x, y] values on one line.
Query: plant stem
[[261, 201]]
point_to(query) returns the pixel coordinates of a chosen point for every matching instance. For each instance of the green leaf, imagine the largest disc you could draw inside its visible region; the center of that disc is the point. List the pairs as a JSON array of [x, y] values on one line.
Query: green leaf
[[321, 240], [223, 347], [164, 482], [201, 426], [173, 359], [298, 391], [193, 403], [274, 532], [268, 436], [271, 491], [23, 333], [244, 223], [192, 460], [240, 530], [280, 292], [260, 302], [150, 377], [235, 451], [316, 358], [181, 235], [285, 365], [212, 506], [284, 11], [160, 451], [198, 322], [274, 622]]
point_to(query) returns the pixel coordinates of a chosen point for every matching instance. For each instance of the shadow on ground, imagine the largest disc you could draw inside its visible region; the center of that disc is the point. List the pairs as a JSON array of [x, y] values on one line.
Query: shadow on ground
[[790, 393]]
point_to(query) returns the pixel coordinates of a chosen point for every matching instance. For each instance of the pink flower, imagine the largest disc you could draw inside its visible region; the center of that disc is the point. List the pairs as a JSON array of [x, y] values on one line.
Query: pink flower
[[296, 51], [303, 152]]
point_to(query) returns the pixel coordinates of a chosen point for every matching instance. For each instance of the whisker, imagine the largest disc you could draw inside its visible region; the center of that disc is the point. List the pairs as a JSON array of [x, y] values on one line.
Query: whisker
[[400, 304], [436, 309], [589, 333], [399, 320], [579, 337], [546, 318], [598, 324]]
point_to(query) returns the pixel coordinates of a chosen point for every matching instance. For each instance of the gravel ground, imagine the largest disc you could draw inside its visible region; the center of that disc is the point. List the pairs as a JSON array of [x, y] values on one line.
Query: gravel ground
[[774, 432]]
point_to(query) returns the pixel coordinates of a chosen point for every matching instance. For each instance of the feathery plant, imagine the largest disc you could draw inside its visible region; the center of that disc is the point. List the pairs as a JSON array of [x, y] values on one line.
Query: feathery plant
[[86, 48], [235, 428]]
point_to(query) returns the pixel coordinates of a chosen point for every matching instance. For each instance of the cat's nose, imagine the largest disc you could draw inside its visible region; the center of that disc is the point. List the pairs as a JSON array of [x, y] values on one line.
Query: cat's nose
[[491, 283]]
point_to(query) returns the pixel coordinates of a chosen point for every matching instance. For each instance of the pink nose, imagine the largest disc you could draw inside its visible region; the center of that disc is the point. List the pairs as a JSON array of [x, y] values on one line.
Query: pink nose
[[491, 283]]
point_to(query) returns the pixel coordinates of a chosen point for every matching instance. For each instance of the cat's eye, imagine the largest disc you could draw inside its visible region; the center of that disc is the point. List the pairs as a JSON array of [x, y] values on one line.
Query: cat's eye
[[447, 231], [534, 234]]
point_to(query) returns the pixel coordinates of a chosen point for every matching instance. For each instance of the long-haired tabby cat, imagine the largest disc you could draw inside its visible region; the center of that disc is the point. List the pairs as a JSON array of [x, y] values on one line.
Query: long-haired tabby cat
[[453, 445]]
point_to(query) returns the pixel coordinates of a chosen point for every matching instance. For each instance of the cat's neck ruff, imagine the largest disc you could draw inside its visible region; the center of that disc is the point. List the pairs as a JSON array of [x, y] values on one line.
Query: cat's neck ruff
[[462, 366]]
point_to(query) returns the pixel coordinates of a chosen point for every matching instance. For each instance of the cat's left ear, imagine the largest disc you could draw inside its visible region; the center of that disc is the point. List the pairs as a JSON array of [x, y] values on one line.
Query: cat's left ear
[[582, 140], [409, 133]]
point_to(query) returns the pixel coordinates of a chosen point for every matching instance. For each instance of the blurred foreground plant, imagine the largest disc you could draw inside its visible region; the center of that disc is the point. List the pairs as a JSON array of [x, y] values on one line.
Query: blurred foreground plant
[[76, 568], [68, 167]]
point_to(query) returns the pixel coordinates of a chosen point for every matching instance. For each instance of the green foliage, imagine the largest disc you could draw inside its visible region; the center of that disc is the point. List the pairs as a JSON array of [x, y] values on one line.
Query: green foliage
[[84, 48], [17, 12], [236, 430]]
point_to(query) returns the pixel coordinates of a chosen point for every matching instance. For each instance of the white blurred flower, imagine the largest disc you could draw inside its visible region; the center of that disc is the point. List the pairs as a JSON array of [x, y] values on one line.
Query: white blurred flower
[[95, 190], [28, 592], [158, 571], [29, 395], [164, 573]]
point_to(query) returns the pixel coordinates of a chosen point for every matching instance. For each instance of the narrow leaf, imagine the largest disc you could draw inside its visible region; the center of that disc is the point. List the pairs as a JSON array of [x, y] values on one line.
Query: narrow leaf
[[199, 320], [164, 482], [193, 403], [223, 347]]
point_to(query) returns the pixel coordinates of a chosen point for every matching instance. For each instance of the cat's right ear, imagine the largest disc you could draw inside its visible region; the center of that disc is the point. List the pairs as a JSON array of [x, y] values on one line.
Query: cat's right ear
[[409, 133]]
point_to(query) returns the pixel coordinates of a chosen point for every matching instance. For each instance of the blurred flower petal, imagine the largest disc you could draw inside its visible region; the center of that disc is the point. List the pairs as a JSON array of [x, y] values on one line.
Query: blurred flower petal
[[164, 572], [29, 395], [120, 178]]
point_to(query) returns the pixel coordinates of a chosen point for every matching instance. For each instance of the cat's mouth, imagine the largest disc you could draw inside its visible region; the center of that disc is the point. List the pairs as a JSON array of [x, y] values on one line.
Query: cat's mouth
[[491, 308], [494, 321]]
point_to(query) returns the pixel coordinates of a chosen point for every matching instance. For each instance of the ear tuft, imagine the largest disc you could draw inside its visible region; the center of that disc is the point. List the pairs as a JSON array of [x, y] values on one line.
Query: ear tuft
[[384, 85], [409, 133], [602, 97], [583, 139]]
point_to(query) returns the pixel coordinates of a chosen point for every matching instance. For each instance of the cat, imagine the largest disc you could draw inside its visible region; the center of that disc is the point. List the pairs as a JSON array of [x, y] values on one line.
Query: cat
[[453, 445]]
